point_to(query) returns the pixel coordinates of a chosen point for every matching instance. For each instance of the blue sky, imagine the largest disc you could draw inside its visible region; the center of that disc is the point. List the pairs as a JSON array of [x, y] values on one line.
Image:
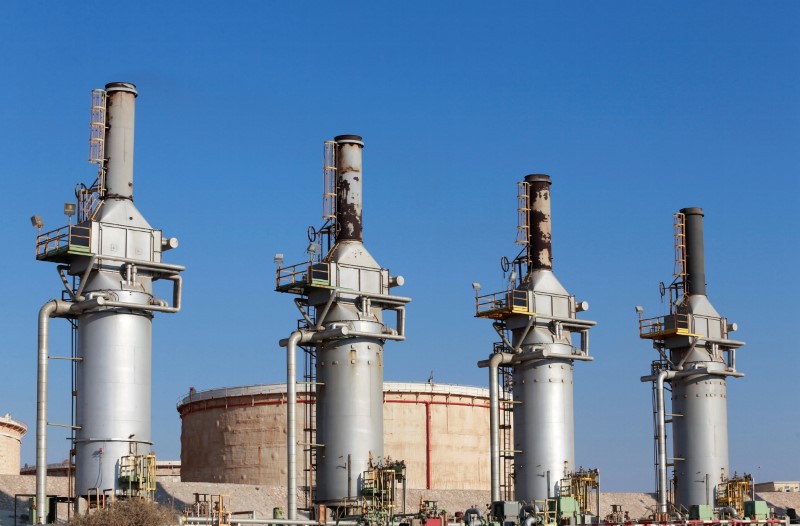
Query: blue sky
[[635, 109]]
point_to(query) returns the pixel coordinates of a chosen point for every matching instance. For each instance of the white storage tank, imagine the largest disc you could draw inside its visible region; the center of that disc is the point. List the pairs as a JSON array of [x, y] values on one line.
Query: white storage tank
[[11, 433], [238, 434]]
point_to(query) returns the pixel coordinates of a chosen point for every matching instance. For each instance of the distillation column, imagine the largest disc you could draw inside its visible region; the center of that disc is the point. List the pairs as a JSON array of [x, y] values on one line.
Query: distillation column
[[700, 436], [541, 319], [348, 294], [116, 256], [694, 336]]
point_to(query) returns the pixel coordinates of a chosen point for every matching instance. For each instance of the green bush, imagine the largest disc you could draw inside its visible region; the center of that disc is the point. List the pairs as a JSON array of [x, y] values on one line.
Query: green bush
[[134, 512]]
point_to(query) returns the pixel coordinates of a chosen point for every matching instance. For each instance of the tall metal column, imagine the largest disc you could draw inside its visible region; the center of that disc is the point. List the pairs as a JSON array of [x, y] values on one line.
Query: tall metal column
[[540, 317], [116, 256], [697, 357], [346, 289]]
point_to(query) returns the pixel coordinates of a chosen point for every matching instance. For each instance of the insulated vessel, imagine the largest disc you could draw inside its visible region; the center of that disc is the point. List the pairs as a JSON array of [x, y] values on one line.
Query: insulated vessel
[[541, 339], [696, 357], [344, 297], [108, 260]]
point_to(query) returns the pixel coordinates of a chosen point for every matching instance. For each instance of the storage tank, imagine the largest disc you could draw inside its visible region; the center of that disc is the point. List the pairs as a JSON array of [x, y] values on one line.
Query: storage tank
[[11, 433], [238, 434]]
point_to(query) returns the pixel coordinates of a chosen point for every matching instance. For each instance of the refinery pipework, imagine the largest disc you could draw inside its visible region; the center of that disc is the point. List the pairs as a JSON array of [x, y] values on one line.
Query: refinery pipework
[[530, 370], [343, 297], [108, 260], [696, 357]]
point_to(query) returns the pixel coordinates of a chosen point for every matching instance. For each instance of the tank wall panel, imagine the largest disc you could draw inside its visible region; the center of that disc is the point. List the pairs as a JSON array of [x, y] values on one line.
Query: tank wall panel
[[543, 427], [219, 435], [10, 436], [113, 402], [349, 416], [700, 437]]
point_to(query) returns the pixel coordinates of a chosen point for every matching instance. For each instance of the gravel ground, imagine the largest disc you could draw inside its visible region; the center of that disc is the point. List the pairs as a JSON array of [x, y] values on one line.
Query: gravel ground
[[262, 499]]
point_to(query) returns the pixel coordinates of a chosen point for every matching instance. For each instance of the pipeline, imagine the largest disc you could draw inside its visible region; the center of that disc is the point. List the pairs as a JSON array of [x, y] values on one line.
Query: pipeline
[[51, 309], [291, 407], [661, 490], [494, 420], [291, 423]]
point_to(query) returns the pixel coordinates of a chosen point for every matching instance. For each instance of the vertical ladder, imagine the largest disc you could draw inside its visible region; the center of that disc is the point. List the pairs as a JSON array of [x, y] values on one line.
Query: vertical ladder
[[679, 228], [309, 411], [89, 198], [310, 423], [506, 432], [97, 128], [523, 214], [329, 182]]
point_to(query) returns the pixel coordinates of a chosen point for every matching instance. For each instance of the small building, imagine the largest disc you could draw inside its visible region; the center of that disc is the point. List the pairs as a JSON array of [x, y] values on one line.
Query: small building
[[784, 486]]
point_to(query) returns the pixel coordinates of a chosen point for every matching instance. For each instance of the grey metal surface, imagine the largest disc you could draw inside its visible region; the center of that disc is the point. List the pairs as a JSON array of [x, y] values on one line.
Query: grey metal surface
[[695, 251], [542, 364], [349, 420], [48, 310], [121, 110], [697, 369], [494, 421], [349, 414], [113, 384], [700, 436], [113, 306], [661, 438]]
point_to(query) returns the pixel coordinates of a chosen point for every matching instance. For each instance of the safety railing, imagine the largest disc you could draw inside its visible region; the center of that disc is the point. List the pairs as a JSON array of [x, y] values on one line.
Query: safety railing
[[302, 274], [502, 304], [75, 238], [669, 325]]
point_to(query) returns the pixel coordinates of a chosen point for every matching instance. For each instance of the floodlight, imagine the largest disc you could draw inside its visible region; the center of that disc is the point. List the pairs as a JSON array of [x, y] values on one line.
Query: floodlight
[[69, 209], [476, 286], [278, 259], [639, 309], [37, 222]]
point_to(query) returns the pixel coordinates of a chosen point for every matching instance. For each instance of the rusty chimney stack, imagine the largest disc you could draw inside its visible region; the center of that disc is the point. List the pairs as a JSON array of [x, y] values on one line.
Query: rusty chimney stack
[[540, 247], [349, 196]]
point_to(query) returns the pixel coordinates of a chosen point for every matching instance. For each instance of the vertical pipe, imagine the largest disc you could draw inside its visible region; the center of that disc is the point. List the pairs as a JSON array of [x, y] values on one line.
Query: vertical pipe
[[661, 490], [348, 194], [494, 421], [427, 445], [120, 109], [695, 252], [291, 424], [540, 250], [548, 483], [48, 310]]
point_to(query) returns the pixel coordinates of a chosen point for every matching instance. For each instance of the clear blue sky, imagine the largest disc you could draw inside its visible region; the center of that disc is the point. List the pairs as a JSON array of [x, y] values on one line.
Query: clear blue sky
[[635, 109]]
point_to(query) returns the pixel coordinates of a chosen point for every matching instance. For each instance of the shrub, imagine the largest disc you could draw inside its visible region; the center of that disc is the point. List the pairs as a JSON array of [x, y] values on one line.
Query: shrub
[[134, 512]]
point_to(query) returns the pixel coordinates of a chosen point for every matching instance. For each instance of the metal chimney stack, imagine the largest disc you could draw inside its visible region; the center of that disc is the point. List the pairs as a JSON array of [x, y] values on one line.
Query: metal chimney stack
[[535, 318], [114, 256], [696, 358], [344, 295]]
